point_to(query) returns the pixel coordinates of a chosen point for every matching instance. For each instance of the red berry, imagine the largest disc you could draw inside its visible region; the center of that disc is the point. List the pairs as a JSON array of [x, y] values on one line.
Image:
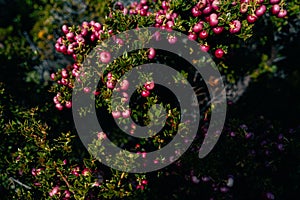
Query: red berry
[[172, 39], [144, 182], [110, 84], [260, 10], [192, 36], [251, 18], [203, 34], [275, 9], [198, 27], [218, 29], [207, 10], [274, 1], [68, 104], [219, 53], [213, 19], [205, 48], [201, 4], [196, 11], [59, 106], [235, 26], [65, 29], [145, 93], [149, 85], [152, 53], [282, 13]]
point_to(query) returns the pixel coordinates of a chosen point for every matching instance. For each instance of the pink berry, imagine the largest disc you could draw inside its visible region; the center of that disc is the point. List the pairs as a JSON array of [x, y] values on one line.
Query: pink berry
[[251, 18], [282, 13], [275, 9], [260, 10], [152, 53], [59, 106], [86, 90], [205, 48], [65, 29], [110, 84], [234, 26], [124, 85], [192, 36], [198, 27], [116, 114], [217, 30], [213, 19], [145, 93], [68, 104], [126, 113], [149, 85], [105, 57]]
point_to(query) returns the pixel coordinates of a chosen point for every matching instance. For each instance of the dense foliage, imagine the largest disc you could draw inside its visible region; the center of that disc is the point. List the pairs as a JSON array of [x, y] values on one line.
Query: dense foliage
[[43, 46]]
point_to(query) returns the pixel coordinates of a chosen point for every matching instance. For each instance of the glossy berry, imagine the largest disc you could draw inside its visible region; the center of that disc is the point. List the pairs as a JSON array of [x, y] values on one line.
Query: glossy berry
[[282, 13], [251, 18], [217, 30], [124, 85], [260, 10], [198, 27], [275, 9], [152, 53], [204, 48], [126, 113], [145, 93], [234, 26], [192, 36], [219, 53], [68, 104], [203, 34], [116, 114], [149, 85]]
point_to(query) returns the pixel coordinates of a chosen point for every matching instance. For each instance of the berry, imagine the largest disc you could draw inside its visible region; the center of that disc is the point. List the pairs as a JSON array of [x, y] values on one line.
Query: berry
[[234, 26], [203, 34], [65, 29], [152, 53], [198, 27], [126, 113], [124, 85], [110, 84], [192, 36], [260, 10], [116, 114], [213, 19], [105, 57], [204, 48], [251, 18], [219, 53], [282, 13], [274, 1], [145, 93], [218, 29], [196, 11], [275, 9], [59, 106], [68, 104], [172, 39], [149, 85]]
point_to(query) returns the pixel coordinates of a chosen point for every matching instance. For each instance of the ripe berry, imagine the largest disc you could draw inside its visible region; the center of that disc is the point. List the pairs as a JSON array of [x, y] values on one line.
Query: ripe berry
[[219, 53], [260, 10], [116, 114], [110, 84], [196, 11], [203, 34], [152, 53], [205, 48], [198, 27], [149, 85], [274, 1], [105, 57], [207, 10], [275, 9], [251, 18], [218, 29], [68, 104], [59, 106], [192, 36], [235, 26], [124, 85], [172, 39], [126, 113], [145, 93], [65, 29], [282, 13], [213, 19]]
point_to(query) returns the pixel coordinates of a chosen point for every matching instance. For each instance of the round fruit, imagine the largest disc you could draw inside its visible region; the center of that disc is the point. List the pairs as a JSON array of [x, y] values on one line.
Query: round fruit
[[260, 10], [198, 27], [235, 26], [124, 85], [152, 53], [149, 85], [282, 13], [203, 34], [219, 53], [218, 29], [192, 36], [251, 18], [126, 113], [145, 93], [105, 57], [275, 9], [116, 114], [205, 48]]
